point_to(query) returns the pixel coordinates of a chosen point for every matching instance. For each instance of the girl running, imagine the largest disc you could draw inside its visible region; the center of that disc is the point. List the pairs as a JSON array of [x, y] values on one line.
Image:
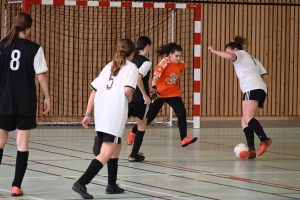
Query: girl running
[[166, 81]]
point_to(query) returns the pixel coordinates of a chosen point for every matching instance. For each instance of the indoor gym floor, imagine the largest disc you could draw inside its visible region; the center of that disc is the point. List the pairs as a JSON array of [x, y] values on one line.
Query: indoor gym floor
[[207, 169]]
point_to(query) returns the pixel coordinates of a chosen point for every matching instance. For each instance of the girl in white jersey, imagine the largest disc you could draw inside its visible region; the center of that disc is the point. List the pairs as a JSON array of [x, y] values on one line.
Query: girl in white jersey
[[112, 91], [253, 80]]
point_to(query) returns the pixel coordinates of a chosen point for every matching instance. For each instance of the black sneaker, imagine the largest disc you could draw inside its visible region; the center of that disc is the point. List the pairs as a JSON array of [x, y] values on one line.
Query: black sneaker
[[138, 158], [114, 190], [97, 145], [81, 189]]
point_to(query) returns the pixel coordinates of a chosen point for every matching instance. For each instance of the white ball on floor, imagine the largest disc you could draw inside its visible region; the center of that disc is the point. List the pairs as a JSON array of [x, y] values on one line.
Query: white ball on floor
[[241, 150]]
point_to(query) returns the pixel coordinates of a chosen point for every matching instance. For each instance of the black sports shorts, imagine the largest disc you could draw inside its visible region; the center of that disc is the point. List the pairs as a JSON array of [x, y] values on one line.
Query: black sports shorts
[[259, 95], [13, 122], [105, 137], [139, 110]]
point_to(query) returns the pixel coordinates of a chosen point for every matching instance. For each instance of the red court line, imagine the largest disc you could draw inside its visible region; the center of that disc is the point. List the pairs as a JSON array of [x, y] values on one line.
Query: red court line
[[228, 176], [281, 168]]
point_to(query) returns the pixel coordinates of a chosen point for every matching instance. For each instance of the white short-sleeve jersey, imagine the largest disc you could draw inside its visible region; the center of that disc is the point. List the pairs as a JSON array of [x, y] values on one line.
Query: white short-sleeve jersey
[[111, 104], [249, 71], [40, 65]]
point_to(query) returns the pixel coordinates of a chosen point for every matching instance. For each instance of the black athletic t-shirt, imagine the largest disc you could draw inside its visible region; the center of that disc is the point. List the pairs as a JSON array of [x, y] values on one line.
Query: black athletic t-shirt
[[144, 64], [17, 78]]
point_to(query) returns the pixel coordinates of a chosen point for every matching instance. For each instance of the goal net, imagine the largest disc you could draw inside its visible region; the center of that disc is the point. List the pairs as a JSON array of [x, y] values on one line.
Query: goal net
[[79, 38]]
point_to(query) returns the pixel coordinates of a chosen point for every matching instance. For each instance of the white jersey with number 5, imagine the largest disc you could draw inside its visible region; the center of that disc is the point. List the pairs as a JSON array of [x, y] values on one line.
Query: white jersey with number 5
[[249, 71], [111, 104]]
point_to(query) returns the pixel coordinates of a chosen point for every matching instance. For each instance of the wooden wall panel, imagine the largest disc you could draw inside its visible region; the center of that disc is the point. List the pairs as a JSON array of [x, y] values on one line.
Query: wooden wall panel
[[273, 32]]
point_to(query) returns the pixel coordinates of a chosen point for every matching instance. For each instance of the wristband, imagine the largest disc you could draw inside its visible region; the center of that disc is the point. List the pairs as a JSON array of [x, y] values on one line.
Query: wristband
[[154, 87], [87, 114]]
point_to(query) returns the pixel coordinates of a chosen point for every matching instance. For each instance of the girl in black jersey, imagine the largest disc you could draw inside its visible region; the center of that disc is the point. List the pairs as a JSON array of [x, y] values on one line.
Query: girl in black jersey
[[20, 61], [141, 98]]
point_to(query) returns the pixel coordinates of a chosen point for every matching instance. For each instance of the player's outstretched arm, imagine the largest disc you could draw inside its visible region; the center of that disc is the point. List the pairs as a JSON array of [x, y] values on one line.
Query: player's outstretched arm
[[222, 54]]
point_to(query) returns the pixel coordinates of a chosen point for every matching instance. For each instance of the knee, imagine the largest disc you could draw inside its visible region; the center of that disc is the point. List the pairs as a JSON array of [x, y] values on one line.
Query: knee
[[243, 123], [246, 119], [181, 114]]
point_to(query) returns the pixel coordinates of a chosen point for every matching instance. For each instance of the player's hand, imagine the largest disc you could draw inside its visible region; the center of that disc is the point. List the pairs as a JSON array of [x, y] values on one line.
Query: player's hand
[[153, 91], [154, 96], [46, 106], [210, 48], [147, 99], [85, 122]]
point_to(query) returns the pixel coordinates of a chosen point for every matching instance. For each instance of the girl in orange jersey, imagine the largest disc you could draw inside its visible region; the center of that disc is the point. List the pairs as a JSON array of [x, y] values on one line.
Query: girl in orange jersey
[[166, 81]]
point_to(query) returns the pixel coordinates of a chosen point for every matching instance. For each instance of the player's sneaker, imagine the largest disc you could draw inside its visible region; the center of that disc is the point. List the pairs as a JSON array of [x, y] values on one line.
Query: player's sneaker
[[81, 189], [138, 158], [251, 153], [188, 140], [130, 138], [97, 145], [16, 191], [114, 190], [264, 145]]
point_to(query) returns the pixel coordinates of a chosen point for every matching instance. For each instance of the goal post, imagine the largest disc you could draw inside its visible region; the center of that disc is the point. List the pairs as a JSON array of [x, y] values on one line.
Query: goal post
[[80, 50]]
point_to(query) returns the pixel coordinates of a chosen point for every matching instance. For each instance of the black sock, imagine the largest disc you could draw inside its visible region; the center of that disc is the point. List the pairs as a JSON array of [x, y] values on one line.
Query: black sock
[[112, 169], [258, 129], [138, 140], [93, 169], [21, 166], [1, 155], [249, 133], [134, 129]]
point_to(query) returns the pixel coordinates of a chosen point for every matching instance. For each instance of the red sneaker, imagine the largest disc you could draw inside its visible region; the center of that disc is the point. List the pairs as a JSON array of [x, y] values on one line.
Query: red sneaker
[[188, 140], [16, 191], [251, 154], [264, 145], [130, 138]]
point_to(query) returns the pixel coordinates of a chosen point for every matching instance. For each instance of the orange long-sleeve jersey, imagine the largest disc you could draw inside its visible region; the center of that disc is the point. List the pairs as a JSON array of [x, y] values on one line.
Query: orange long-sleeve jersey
[[169, 75]]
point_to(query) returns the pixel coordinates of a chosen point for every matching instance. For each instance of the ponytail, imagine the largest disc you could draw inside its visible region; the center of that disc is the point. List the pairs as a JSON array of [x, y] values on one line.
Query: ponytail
[[118, 62], [124, 49], [168, 48], [22, 22], [238, 42]]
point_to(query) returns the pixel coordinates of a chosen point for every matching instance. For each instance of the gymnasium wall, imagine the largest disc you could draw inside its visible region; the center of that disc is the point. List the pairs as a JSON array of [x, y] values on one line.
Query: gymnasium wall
[[273, 31], [1, 18]]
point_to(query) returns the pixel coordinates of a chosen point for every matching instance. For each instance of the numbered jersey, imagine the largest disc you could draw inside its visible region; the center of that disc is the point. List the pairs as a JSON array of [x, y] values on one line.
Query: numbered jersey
[[249, 71], [144, 64], [18, 67], [111, 104]]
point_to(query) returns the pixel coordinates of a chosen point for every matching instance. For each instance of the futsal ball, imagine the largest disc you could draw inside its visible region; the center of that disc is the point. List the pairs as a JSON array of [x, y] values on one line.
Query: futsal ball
[[241, 150]]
